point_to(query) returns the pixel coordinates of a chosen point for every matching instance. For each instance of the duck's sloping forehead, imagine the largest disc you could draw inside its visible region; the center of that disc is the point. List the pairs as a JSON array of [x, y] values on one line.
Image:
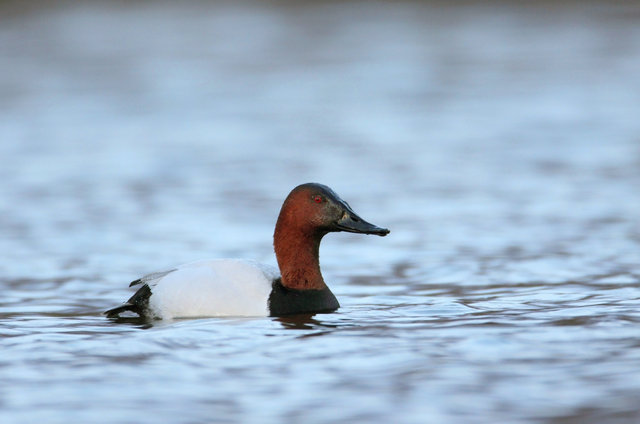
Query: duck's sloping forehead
[[319, 188]]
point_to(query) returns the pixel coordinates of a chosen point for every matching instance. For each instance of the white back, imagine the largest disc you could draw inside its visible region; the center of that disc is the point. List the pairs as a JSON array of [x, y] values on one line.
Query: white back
[[219, 287]]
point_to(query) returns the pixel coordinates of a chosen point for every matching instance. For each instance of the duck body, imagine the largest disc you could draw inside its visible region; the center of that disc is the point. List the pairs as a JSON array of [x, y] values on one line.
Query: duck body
[[221, 287], [233, 287]]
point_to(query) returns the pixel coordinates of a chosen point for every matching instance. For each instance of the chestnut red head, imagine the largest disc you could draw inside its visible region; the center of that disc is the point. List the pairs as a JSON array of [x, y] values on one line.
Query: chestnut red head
[[316, 205]]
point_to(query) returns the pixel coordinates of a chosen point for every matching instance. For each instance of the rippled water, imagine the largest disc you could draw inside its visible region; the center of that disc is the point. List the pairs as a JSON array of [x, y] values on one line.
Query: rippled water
[[499, 143]]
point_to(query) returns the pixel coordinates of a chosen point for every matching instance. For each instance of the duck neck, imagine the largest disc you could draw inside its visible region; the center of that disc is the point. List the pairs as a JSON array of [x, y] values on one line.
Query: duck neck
[[297, 252]]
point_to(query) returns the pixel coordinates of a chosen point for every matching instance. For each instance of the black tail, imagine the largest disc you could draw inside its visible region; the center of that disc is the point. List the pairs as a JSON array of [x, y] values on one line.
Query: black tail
[[138, 304]]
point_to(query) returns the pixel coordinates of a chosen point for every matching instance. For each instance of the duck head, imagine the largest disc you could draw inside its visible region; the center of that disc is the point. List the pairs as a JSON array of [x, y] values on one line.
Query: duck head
[[308, 213], [319, 209]]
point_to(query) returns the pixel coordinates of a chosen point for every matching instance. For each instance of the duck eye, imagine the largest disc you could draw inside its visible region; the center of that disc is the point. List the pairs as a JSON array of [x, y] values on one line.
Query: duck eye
[[318, 199]]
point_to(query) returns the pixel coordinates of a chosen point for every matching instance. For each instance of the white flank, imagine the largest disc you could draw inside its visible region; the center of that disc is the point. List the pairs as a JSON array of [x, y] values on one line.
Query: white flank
[[213, 288]]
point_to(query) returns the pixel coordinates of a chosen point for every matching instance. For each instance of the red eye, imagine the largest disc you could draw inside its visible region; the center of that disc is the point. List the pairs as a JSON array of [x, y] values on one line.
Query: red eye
[[317, 199]]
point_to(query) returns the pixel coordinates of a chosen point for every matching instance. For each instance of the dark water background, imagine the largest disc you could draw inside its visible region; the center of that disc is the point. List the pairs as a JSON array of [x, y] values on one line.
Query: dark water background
[[500, 143]]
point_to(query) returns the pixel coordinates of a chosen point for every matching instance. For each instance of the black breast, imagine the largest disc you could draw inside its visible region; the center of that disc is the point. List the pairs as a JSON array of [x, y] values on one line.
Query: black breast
[[284, 301]]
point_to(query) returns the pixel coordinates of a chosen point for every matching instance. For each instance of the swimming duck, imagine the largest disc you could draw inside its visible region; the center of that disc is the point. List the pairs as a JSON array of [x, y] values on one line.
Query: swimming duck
[[231, 287]]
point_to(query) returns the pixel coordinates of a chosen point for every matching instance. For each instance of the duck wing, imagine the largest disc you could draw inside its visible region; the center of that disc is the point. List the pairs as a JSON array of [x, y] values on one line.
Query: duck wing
[[151, 278]]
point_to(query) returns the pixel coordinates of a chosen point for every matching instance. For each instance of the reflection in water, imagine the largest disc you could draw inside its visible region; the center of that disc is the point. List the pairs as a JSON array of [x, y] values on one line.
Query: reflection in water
[[298, 322], [138, 322], [499, 141]]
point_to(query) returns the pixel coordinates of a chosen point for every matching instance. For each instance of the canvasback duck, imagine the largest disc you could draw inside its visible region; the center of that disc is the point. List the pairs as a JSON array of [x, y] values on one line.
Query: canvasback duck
[[230, 287]]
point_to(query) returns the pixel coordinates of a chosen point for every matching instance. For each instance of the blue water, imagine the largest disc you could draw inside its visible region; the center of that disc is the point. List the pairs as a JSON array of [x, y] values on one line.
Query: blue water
[[500, 144]]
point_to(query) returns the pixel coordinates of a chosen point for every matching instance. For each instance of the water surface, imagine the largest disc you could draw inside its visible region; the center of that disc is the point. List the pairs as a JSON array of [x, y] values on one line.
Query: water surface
[[499, 143]]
